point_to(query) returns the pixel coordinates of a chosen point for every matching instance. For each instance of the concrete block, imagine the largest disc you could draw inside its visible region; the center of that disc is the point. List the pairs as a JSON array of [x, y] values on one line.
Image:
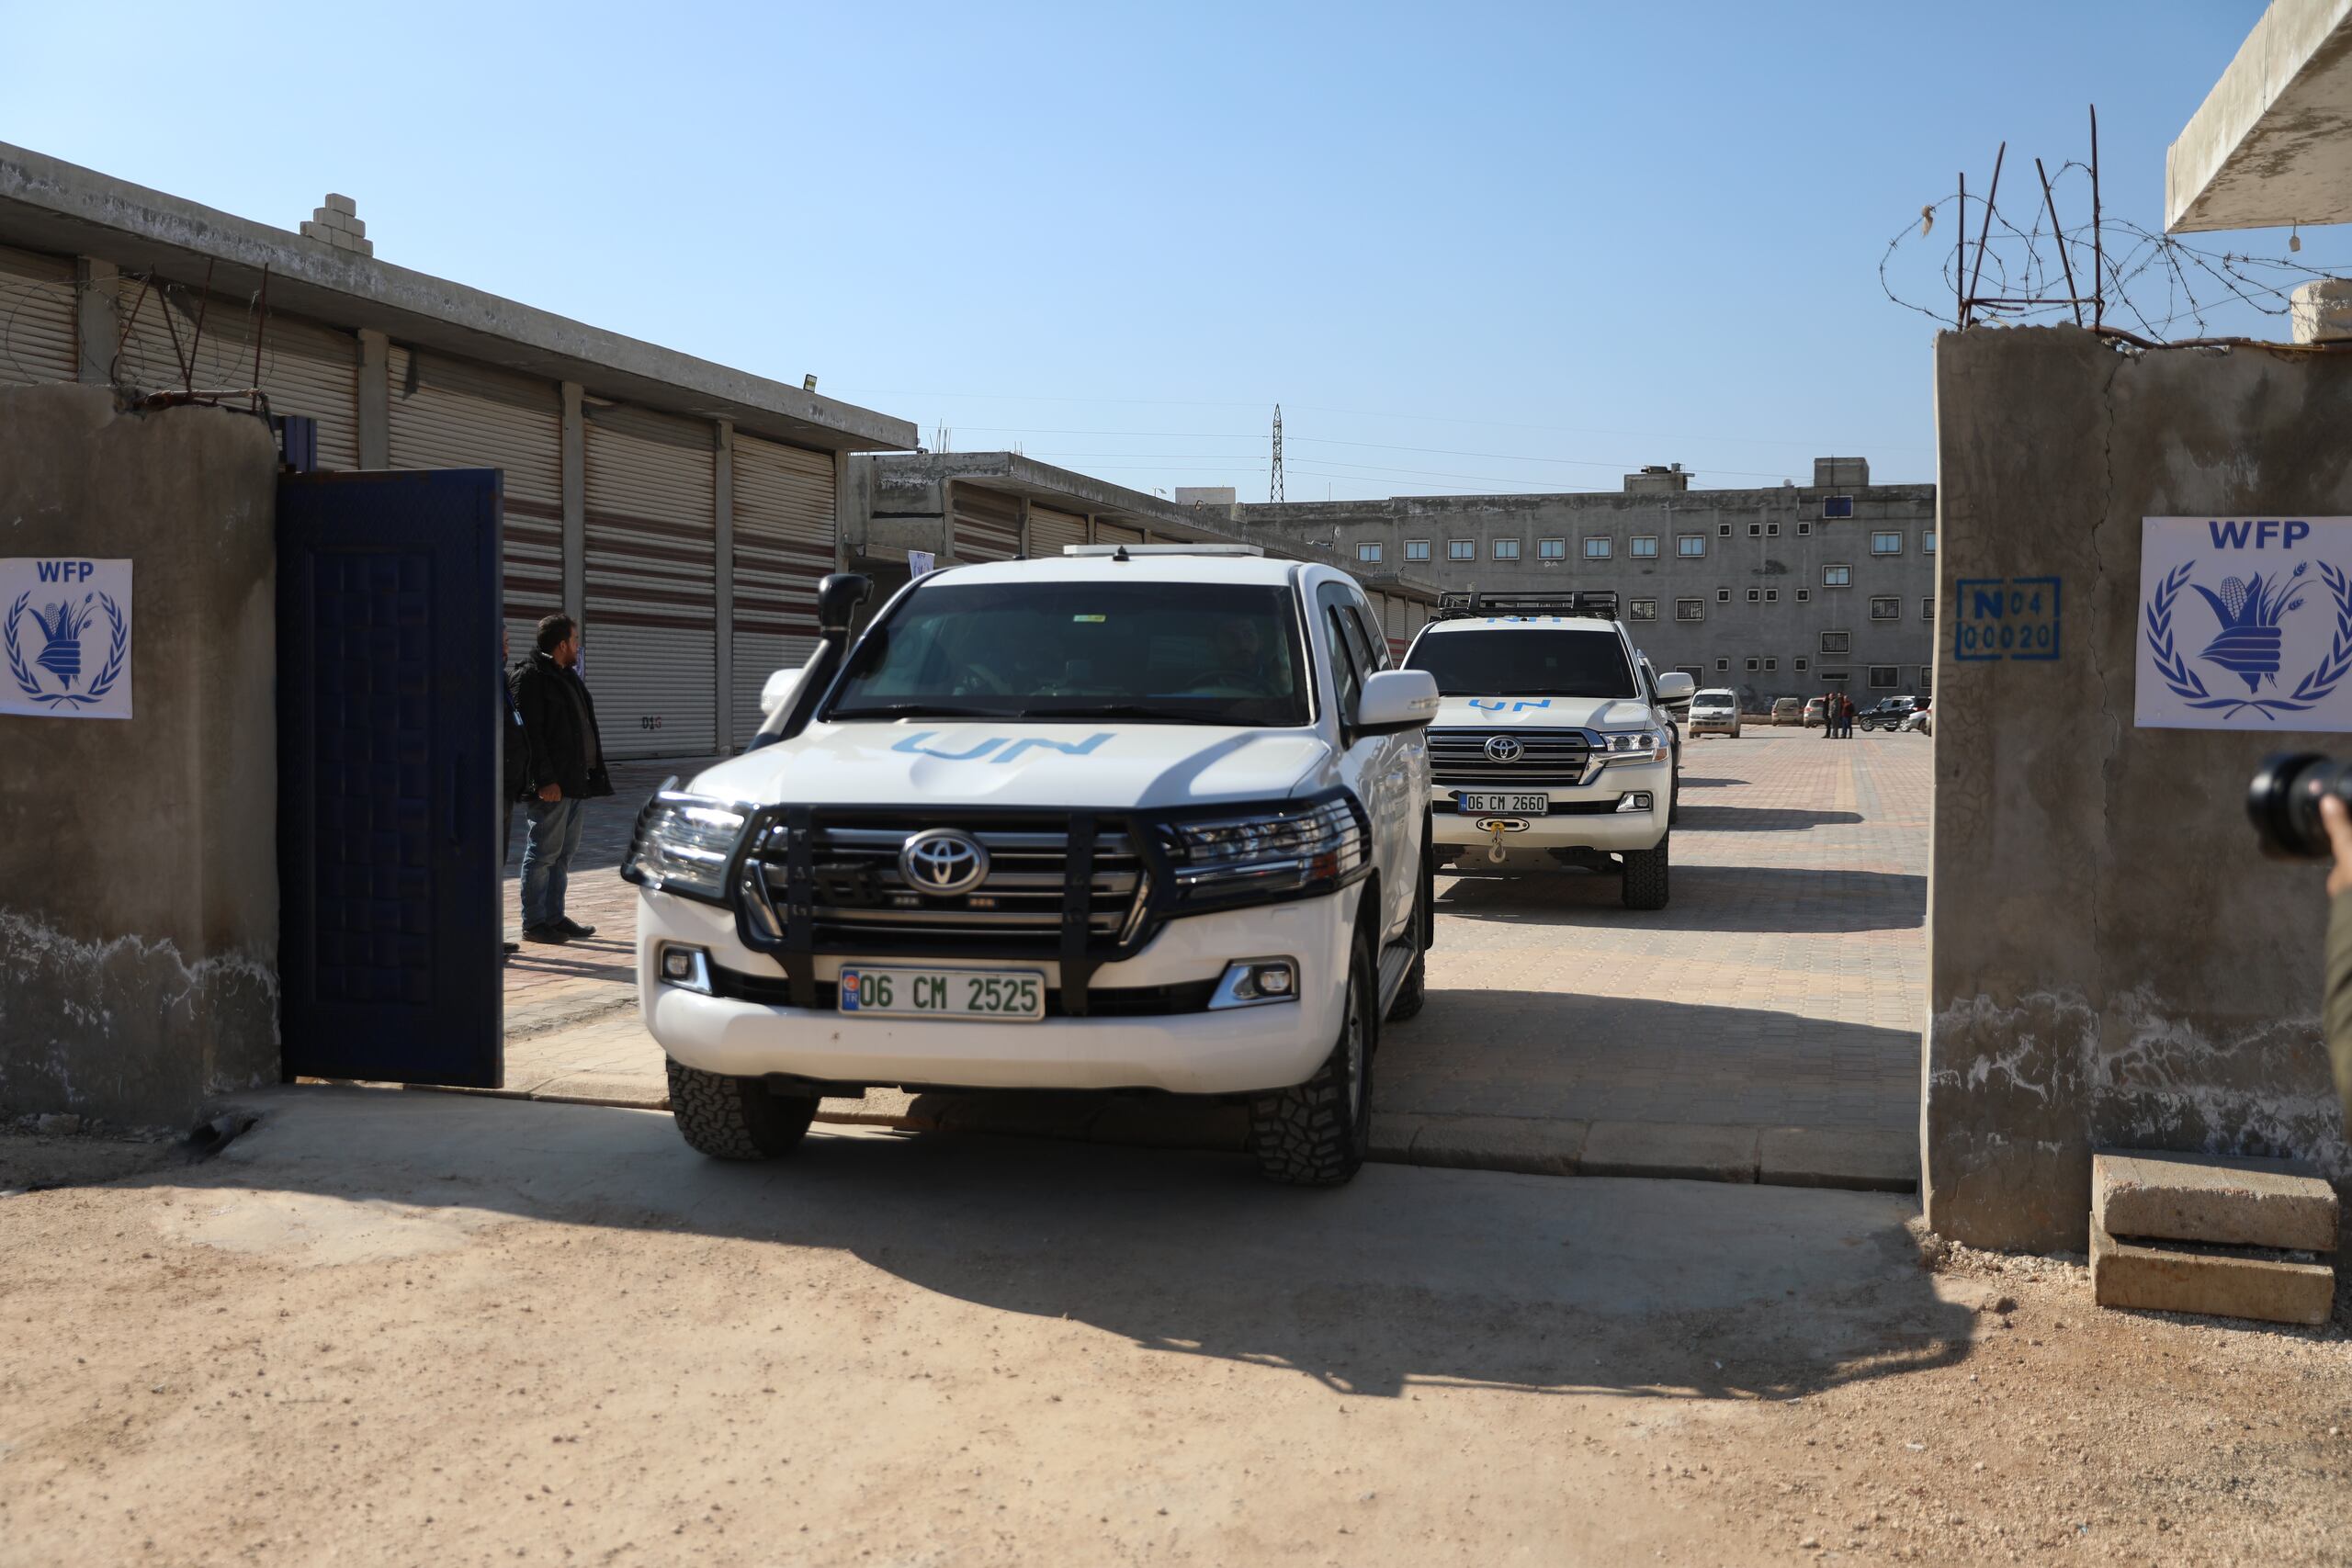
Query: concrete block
[[341, 204], [1533, 1145], [1695, 1152], [2321, 310], [2229, 1202], [1859, 1159], [2224, 1284], [314, 230]]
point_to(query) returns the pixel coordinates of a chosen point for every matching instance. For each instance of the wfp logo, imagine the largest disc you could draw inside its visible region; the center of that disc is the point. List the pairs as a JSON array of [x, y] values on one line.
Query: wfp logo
[[64, 626], [2250, 618]]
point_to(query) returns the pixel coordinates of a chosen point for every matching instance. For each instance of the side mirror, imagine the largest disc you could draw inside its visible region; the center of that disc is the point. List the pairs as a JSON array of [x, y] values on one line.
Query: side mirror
[[778, 691], [1394, 701], [838, 597], [1674, 688]]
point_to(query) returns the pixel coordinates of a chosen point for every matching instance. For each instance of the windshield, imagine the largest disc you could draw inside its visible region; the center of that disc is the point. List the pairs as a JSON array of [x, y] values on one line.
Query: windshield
[[1711, 700], [1526, 663], [1166, 652]]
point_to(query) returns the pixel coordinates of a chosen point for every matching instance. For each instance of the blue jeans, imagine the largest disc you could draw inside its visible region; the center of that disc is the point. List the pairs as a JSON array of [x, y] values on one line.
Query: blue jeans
[[547, 848]]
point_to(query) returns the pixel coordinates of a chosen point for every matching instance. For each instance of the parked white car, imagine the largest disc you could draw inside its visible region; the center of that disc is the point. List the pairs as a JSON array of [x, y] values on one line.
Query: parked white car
[[1550, 738], [1140, 817], [1715, 711]]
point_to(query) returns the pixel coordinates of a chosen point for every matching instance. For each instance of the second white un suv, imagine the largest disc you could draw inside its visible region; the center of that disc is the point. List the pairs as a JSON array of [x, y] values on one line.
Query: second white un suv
[[1552, 736], [1148, 817]]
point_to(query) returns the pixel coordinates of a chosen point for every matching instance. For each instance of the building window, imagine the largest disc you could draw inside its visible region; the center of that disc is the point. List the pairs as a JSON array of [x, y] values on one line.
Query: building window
[[1551, 549], [1367, 553], [1755, 595], [1837, 642], [1689, 545], [1801, 664], [1772, 530], [1803, 528], [1754, 664], [1642, 547], [1887, 609], [1771, 595], [1723, 531], [1771, 665], [1756, 530], [1926, 679], [1840, 676], [1598, 548], [1646, 609], [1927, 609], [1837, 506], [1838, 576], [1689, 609], [1696, 672], [1723, 595], [1803, 595], [1887, 544], [1506, 550], [1884, 677], [1461, 549], [1417, 550], [1927, 541], [1723, 663]]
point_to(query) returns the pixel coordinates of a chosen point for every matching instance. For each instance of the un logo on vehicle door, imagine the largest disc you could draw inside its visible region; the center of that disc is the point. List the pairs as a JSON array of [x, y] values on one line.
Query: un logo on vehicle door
[[1503, 749], [943, 861]]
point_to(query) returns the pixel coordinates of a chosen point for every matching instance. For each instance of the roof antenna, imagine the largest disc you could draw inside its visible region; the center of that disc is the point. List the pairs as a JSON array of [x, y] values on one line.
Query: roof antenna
[[1121, 553]]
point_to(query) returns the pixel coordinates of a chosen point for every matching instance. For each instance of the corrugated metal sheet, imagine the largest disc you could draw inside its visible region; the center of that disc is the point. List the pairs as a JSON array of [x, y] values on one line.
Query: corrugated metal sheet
[[785, 542], [305, 369], [451, 413], [1107, 533], [651, 633], [35, 319], [1050, 530], [987, 524]]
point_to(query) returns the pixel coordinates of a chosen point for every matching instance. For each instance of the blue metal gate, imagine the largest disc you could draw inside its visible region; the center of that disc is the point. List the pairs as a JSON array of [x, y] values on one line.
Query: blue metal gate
[[388, 716]]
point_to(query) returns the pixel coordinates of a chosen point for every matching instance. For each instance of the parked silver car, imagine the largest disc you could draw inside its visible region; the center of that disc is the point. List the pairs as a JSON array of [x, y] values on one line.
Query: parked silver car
[[1715, 711]]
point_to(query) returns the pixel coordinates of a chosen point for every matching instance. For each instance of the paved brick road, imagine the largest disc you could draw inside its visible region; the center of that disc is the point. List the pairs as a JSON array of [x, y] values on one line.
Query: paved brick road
[[1783, 988]]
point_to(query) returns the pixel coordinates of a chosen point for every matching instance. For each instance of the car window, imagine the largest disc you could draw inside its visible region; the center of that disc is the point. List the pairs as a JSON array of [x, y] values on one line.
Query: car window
[[1174, 652], [1567, 661]]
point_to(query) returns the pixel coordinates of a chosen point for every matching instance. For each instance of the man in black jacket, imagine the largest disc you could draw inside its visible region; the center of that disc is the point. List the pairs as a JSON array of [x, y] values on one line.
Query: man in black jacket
[[565, 769], [514, 759]]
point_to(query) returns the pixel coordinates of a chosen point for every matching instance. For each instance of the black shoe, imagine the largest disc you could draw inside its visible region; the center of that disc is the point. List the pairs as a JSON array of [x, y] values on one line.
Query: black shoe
[[574, 929], [510, 947], [553, 935]]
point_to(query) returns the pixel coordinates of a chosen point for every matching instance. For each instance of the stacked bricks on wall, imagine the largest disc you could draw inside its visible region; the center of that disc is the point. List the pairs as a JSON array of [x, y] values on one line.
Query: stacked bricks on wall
[[2233, 1237], [337, 223]]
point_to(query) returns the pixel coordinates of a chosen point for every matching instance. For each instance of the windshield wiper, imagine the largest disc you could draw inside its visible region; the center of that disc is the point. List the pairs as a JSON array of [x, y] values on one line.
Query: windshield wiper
[[1125, 710], [918, 710]]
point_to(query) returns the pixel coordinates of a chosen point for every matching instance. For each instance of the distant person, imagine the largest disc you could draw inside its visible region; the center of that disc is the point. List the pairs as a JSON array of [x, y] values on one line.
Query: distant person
[[564, 768], [514, 762], [1829, 716]]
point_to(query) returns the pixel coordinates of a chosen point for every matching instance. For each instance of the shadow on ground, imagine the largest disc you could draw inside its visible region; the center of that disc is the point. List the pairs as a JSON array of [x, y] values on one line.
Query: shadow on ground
[[1759, 819], [1406, 1276], [1779, 899]]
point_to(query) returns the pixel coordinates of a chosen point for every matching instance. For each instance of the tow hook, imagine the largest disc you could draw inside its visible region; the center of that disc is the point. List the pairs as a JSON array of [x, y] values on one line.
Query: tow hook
[[1495, 828]]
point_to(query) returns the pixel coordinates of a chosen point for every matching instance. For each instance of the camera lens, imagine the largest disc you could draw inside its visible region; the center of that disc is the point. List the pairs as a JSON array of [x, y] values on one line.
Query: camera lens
[[2283, 799]]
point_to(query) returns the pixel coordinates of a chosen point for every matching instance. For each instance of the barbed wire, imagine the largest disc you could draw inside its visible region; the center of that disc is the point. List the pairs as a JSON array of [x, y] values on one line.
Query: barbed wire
[[2154, 286], [148, 312]]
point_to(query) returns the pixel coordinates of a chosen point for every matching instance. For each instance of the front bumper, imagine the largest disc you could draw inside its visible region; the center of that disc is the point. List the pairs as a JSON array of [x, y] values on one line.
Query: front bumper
[[1238, 1051], [1590, 822]]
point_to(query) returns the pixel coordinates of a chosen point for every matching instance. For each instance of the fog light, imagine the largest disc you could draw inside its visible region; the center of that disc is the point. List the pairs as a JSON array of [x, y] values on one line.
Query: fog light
[[688, 968], [1257, 982], [1636, 800]]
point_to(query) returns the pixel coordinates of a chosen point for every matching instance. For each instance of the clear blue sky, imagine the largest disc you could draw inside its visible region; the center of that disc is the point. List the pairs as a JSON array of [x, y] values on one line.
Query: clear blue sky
[[1468, 247]]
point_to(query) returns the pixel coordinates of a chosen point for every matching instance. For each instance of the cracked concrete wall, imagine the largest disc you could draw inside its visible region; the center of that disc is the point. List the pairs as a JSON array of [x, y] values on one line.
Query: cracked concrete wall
[[2111, 963], [138, 859]]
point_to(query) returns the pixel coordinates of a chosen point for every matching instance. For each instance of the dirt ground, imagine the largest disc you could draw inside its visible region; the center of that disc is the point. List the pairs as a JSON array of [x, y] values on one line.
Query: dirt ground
[[396, 1328]]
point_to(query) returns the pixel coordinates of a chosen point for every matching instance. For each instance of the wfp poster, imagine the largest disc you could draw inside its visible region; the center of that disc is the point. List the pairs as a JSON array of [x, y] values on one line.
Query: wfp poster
[[2245, 623], [67, 635]]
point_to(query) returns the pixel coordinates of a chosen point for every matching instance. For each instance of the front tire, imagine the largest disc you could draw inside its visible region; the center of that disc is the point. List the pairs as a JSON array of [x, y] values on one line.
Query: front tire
[[1645, 878], [1316, 1134], [730, 1118]]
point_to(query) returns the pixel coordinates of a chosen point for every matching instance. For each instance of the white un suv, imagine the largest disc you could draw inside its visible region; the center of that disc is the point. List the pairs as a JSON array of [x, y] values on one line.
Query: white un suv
[[1140, 817], [1552, 736]]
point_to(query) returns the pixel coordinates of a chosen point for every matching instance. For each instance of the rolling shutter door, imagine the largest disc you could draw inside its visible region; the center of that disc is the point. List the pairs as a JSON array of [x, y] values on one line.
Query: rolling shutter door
[[987, 524], [1113, 534], [650, 637], [35, 319], [305, 369], [784, 545], [448, 413], [1392, 620], [1050, 530]]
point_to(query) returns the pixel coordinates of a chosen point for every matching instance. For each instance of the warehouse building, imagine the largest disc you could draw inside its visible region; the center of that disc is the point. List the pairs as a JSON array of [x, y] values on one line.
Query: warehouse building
[[682, 510], [1779, 592]]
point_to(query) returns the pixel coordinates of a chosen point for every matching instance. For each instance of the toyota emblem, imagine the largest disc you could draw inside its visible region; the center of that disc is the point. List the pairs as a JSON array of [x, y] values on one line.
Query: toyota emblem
[[942, 862], [1503, 749]]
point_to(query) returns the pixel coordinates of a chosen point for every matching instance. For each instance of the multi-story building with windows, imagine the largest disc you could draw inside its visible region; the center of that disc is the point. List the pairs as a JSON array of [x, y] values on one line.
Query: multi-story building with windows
[[1782, 592]]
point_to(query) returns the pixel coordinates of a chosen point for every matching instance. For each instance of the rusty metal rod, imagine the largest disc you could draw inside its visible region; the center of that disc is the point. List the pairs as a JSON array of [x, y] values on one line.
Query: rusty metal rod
[[114, 365], [1985, 232], [195, 344], [2055, 233], [261, 326], [1960, 261], [2099, 247]]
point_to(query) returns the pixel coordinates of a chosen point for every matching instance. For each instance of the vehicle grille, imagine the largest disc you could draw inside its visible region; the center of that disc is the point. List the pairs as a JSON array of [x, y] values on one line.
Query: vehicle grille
[[863, 902], [1547, 759]]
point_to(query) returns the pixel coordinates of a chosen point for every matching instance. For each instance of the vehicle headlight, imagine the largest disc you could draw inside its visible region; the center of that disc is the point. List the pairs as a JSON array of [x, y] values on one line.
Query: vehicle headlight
[[1264, 852], [1635, 746], [683, 845]]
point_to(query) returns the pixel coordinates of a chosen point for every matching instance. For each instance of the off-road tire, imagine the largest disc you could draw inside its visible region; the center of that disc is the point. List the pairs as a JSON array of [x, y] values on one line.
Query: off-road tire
[[729, 1118], [1644, 877], [1316, 1134], [1414, 990]]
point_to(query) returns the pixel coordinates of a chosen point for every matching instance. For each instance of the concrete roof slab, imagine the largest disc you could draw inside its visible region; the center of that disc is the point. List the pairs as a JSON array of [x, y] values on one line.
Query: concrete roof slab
[[2271, 145]]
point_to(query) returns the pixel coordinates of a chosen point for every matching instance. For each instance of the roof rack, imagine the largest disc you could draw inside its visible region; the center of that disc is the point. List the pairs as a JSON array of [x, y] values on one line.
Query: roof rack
[[1458, 604], [1199, 548]]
